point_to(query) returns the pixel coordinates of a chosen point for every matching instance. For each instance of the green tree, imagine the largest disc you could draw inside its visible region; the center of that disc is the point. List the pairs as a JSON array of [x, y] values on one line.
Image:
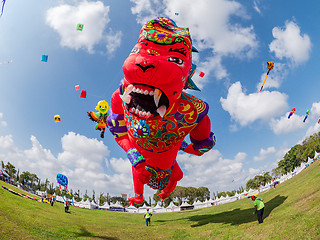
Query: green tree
[[179, 193], [102, 199], [203, 193], [191, 194], [10, 169], [25, 177], [93, 195]]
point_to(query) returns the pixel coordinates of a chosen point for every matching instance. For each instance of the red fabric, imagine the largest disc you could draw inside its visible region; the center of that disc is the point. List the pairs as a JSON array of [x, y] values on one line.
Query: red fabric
[[201, 74]]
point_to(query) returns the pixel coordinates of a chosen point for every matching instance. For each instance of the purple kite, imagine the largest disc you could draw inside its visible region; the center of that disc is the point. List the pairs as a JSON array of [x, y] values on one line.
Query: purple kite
[[3, 2]]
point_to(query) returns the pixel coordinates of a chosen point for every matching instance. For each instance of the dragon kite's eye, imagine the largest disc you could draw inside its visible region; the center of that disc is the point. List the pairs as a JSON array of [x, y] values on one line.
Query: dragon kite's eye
[[176, 60], [135, 50]]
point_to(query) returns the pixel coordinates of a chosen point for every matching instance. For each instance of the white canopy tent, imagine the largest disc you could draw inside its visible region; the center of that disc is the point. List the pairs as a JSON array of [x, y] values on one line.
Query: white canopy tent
[[172, 208], [105, 206], [132, 209], [158, 208]]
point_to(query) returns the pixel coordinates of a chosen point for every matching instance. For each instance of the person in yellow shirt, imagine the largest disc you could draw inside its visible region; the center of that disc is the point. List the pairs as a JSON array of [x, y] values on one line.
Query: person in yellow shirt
[[259, 207], [147, 216]]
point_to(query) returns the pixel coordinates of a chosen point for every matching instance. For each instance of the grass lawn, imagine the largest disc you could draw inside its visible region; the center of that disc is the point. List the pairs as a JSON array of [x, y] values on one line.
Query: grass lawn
[[292, 211]]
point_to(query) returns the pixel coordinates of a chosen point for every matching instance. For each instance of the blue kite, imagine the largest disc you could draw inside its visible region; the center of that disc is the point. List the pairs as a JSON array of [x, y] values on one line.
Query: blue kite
[[62, 180]]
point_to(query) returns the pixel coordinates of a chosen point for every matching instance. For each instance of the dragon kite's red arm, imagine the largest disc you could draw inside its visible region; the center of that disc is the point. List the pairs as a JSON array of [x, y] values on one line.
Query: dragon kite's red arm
[[202, 139]]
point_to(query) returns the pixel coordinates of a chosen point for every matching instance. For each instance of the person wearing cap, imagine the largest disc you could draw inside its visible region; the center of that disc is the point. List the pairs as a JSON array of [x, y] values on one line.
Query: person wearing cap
[[147, 216], [259, 207]]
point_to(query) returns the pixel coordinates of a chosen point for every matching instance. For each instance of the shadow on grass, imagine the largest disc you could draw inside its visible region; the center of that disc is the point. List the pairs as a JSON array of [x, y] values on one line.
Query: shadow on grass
[[236, 216], [85, 233]]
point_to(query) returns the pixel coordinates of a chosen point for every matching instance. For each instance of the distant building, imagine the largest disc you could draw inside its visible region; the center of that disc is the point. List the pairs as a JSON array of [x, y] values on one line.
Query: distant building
[[124, 196]]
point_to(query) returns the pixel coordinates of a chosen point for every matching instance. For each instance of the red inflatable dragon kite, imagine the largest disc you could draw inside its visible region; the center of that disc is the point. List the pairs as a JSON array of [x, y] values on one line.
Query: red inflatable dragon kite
[[151, 115]]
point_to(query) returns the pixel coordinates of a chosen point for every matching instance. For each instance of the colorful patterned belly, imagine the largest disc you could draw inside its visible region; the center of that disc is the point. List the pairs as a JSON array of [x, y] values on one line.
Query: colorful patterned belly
[[159, 135], [159, 177]]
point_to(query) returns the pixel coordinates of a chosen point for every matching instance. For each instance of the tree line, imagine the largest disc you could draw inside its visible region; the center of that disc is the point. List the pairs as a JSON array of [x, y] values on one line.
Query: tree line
[[32, 182], [298, 154]]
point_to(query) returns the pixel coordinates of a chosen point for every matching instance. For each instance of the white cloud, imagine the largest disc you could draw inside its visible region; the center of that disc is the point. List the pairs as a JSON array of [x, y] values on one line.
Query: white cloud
[[311, 130], [290, 44], [315, 109], [2, 123], [255, 6], [121, 165], [264, 153], [221, 39], [286, 125], [113, 41], [246, 109], [93, 15], [6, 142], [212, 170], [82, 160]]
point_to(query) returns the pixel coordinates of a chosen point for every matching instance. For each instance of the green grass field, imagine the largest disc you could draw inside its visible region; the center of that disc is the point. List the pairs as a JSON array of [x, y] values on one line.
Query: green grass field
[[292, 211]]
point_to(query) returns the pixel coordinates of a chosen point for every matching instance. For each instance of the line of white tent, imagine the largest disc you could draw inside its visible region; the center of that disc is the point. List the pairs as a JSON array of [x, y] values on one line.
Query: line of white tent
[[185, 206]]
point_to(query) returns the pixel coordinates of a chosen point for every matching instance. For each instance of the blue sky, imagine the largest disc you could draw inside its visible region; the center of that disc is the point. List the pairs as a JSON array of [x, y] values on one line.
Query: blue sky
[[235, 40]]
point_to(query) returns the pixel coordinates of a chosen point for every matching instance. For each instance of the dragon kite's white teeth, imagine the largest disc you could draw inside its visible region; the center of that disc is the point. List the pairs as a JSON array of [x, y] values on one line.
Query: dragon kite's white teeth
[[126, 95], [162, 110], [156, 96]]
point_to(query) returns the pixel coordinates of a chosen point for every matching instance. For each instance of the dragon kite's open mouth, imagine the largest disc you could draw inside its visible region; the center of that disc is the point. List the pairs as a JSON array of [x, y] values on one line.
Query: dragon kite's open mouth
[[145, 101]]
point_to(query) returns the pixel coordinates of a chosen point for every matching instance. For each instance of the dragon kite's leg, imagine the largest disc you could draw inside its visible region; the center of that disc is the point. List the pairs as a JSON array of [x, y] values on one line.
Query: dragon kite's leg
[[176, 176], [138, 188]]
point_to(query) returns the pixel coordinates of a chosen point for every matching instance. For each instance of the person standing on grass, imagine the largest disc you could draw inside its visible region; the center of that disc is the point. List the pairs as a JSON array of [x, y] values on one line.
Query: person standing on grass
[[66, 206], [147, 216], [259, 207]]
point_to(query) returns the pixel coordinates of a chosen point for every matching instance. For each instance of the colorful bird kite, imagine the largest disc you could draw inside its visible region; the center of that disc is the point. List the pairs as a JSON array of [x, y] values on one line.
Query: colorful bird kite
[[307, 114], [293, 110], [270, 67]]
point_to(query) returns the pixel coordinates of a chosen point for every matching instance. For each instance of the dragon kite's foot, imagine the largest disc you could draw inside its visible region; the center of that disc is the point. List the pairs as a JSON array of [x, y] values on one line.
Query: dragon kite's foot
[[102, 135], [137, 200], [163, 194]]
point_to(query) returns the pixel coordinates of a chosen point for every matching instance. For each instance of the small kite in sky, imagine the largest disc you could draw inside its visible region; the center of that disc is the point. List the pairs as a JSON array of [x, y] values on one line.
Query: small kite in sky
[[101, 116], [270, 67], [307, 114], [77, 87], [6, 62], [201, 74], [57, 118], [293, 110], [44, 58], [319, 120], [83, 94], [176, 14], [79, 27], [3, 2]]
